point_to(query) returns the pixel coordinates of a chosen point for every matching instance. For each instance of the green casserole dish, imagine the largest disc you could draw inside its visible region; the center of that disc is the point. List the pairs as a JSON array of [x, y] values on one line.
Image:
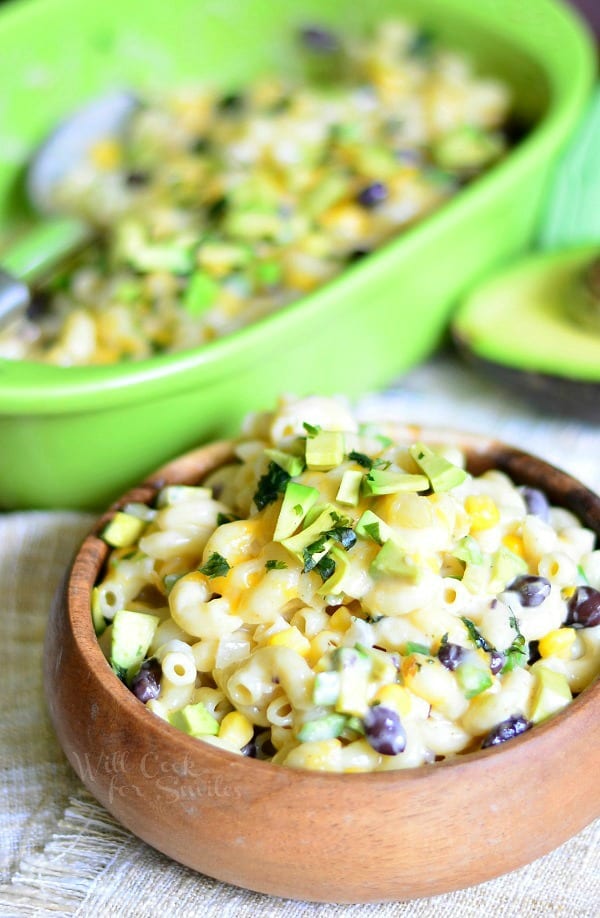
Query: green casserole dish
[[77, 437]]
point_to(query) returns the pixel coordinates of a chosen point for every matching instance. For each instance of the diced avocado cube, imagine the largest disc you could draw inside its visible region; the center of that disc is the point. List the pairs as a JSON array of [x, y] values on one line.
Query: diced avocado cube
[[414, 647], [325, 193], [132, 245], [200, 294], [269, 273], [325, 450], [467, 148], [195, 720], [349, 489], [551, 693], [473, 679], [322, 728], [177, 494], [123, 530], [297, 501], [351, 658], [132, 634], [326, 687], [323, 523], [371, 526], [334, 585], [381, 481], [506, 565], [468, 550], [476, 575], [391, 560], [352, 698], [142, 511], [443, 475], [293, 465], [98, 620]]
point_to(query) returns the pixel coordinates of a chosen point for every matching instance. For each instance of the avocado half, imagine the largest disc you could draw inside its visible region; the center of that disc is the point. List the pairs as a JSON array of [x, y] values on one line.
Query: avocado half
[[535, 328]]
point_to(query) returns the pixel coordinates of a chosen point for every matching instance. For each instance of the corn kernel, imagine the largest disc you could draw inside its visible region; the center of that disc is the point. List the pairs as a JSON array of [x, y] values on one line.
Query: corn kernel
[[395, 697], [514, 543], [290, 637], [321, 755], [106, 154], [557, 643], [236, 729], [347, 221], [483, 512], [340, 620]]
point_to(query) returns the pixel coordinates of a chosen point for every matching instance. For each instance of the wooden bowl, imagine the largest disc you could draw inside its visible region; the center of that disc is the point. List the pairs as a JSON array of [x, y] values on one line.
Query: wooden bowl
[[312, 835]]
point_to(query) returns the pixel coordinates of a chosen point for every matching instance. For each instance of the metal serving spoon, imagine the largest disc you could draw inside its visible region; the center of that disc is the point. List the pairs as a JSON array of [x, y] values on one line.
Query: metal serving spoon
[[57, 237]]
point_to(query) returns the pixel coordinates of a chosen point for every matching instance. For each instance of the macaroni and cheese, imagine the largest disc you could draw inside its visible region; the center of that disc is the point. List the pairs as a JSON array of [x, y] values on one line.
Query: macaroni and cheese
[[340, 599], [217, 208]]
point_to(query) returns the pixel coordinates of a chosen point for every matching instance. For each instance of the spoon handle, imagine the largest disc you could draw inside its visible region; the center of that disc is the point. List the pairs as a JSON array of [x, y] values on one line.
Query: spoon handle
[[44, 247], [14, 297]]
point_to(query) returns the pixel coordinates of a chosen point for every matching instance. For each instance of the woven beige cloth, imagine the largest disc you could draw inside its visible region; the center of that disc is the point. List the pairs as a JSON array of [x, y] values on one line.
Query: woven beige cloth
[[62, 854]]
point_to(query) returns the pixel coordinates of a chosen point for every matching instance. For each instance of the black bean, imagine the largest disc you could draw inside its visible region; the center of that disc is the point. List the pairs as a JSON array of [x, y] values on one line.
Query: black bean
[[318, 39], [39, 305], [536, 502], [584, 607], [497, 661], [450, 655], [232, 103], [357, 254], [145, 685], [217, 209], [372, 195], [384, 730], [200, 146], [534, 653], [531, 590], [506, 730], [137, 178]]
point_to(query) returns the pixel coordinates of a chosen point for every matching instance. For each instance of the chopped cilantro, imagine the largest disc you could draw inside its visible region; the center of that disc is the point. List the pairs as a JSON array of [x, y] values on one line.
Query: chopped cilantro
[[223, 518], [325, 567], [216, 566], [361, 458], [476, 636], [308, 554], [369, 430], [273, 565], [311, 429], [344, 535], [299, 510], [422, 44], [272, 483], [367, 462], [516, 655]]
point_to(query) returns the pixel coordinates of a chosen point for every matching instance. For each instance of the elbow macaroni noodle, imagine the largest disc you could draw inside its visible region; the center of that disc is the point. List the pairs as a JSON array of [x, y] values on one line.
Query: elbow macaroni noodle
[[383, 619]]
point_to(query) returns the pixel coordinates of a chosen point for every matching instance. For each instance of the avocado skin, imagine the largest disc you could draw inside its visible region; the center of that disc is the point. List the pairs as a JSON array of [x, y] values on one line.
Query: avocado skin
[[559, 395]]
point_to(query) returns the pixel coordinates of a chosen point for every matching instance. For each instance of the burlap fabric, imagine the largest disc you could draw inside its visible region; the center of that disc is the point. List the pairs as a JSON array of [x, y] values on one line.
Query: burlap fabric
[[62, 854]]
